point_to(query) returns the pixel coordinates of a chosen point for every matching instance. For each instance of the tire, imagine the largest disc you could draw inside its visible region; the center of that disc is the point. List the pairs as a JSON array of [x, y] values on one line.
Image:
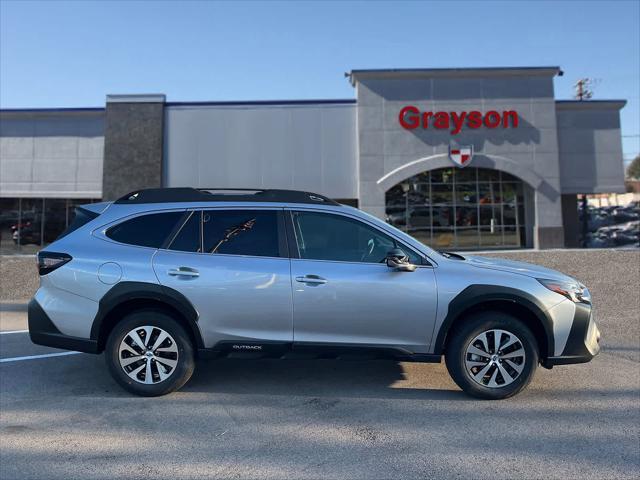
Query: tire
[[496, 376], [172, 359]]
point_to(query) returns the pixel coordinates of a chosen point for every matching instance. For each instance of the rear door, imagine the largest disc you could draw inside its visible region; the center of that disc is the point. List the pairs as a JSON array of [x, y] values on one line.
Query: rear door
[[233, 266]]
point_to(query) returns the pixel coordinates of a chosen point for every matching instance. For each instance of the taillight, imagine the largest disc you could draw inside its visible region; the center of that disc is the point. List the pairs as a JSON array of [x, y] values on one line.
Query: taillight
[[49, 261]]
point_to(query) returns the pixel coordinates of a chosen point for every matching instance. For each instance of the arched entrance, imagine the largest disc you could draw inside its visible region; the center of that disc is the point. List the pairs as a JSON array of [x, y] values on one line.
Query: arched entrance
[[466, 209]]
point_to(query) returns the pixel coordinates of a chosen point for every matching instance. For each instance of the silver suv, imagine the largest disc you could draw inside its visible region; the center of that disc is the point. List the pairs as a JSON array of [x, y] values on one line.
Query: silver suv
[[161, 277]]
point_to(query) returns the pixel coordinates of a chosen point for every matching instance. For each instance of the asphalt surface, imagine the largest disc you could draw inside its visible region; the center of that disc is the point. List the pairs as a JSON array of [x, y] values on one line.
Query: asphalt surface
[[63, 417]]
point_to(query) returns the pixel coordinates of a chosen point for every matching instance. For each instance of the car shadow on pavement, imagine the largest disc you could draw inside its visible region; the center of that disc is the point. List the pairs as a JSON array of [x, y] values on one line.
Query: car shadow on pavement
[[86, 375], [323, 377]]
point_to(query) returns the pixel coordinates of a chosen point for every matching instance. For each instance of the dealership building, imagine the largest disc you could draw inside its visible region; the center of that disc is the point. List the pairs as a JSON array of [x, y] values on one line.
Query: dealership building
[[468, 158]]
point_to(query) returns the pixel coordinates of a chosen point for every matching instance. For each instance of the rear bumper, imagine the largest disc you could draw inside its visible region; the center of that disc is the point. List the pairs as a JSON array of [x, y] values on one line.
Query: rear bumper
[[584, 339], [43, 332]]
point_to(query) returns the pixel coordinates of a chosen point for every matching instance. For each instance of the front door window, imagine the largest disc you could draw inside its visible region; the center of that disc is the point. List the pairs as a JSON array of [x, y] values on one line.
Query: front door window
[[322, 236]]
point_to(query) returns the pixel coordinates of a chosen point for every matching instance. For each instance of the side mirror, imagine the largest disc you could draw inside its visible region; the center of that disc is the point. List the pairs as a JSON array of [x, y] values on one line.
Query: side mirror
[[398, 260]]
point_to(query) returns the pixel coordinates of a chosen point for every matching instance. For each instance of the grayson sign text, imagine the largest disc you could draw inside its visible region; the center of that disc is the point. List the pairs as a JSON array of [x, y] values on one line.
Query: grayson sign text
[[411, 117]]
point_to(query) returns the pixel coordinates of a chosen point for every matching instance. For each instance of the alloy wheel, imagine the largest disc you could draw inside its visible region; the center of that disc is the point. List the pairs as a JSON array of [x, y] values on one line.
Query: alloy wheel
[[495, 358], [148, 354]]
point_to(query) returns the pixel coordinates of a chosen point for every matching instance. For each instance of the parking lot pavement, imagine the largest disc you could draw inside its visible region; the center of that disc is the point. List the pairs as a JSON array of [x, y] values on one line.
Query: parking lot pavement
[[63, 417], [12, 316]]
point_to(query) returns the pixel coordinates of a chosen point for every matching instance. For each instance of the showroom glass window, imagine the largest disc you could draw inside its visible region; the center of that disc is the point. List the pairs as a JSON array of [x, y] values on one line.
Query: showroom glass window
[[468, 208], [28, 224]]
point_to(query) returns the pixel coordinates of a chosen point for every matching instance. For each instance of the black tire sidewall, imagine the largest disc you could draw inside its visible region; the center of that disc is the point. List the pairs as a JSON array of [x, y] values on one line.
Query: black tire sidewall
[[186, 362], [473, 326]]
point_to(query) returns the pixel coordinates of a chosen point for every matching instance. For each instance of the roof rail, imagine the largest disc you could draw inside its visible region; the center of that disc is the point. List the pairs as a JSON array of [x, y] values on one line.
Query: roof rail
[[188, 194], [216, 189]]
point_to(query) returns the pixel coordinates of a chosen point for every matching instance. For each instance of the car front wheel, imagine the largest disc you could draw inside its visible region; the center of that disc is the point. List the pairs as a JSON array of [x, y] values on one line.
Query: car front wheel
[[149, 353], [492, 355]]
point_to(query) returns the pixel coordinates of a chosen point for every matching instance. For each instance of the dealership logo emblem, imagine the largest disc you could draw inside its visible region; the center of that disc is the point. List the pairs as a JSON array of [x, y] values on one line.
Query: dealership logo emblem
[[461, 156]]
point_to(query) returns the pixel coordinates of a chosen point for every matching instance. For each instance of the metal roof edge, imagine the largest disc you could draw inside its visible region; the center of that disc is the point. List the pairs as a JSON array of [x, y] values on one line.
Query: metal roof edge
[[232, 103], [451, 72], [590, 104], [53, 110], [137, 98]]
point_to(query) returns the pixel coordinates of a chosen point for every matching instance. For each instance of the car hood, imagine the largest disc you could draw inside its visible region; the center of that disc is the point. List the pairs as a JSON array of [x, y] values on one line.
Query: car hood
[[523, 268]]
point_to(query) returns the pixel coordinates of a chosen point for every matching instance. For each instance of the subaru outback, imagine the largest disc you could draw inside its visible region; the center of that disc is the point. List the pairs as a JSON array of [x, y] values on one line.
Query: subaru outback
[[162, 277]]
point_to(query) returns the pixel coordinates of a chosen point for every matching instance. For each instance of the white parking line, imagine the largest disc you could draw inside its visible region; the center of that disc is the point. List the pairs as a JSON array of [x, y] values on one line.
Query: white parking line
[[35, 357], [14, 331]]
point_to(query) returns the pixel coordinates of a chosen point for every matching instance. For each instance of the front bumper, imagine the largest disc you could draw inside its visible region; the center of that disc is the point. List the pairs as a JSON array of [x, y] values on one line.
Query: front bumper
[[43, 332], [584, 339]]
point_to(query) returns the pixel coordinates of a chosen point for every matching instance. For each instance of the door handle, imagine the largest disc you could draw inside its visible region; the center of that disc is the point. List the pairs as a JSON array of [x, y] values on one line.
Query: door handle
[[184, 272], [311, 279]]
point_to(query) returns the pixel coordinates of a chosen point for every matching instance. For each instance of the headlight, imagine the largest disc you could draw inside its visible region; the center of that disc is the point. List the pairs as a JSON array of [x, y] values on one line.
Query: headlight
[[574, 291]]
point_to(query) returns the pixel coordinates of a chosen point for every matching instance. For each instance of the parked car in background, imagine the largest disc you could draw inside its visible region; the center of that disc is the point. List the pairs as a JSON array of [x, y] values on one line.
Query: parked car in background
[[31, 231], [624, 234], [611, 226]]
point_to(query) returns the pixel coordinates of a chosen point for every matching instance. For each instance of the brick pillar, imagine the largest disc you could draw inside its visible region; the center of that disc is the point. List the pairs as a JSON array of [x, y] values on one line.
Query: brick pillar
[[133, 144], [570, 221]]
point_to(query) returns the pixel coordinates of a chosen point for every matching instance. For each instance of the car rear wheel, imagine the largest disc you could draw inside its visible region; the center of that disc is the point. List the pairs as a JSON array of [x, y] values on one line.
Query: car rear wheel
[[492, 356], [149, 353]]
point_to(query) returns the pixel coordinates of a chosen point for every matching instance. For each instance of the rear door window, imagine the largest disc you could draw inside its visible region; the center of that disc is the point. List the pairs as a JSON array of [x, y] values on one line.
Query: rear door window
[[240, 232], [189, 238], [149, 230]]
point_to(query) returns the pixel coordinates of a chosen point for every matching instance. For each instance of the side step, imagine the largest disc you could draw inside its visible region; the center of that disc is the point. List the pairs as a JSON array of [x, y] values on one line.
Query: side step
[[288, 350]]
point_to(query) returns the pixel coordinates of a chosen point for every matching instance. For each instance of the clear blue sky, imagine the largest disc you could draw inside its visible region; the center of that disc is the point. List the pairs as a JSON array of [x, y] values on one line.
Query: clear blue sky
[[63, 54]]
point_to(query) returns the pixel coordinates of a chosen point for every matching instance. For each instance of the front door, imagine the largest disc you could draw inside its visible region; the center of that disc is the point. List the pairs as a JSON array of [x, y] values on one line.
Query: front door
[[344, 293], [232, 265]]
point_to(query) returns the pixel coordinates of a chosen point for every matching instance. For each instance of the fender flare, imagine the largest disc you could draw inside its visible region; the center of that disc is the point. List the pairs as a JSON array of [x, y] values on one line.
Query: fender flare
[[477, 294], [127, 291]]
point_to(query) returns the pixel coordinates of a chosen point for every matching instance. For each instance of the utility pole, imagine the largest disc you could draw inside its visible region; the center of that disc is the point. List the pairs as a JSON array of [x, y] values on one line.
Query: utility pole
[[582, 89], [585, 222]]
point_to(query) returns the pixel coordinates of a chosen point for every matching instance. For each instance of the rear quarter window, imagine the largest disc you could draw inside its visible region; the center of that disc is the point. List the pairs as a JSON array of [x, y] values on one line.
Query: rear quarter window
[[82, 217], [149, 230]]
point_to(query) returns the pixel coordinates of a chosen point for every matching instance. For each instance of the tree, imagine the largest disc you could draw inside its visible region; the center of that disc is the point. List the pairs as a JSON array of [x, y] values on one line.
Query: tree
[[633, 170]]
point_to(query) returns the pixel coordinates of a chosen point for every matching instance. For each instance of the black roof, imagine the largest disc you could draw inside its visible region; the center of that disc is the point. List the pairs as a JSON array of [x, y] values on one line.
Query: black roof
[[188, 194]]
